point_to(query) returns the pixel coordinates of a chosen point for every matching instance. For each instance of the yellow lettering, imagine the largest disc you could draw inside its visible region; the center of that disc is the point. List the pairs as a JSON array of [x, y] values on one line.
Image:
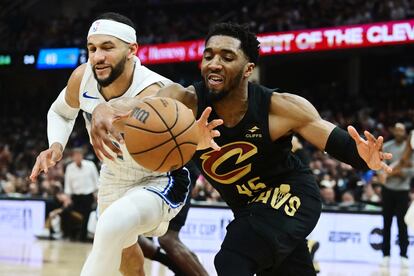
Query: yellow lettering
[[250, 187], [251, 200], [243, 190], [274, 197], [293, 206], [280, 195], [284, 188], [257, 186], [263, 197]]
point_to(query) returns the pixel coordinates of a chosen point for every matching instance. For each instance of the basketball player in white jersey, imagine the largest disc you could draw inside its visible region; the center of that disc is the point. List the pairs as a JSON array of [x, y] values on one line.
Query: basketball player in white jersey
[[132, 201]]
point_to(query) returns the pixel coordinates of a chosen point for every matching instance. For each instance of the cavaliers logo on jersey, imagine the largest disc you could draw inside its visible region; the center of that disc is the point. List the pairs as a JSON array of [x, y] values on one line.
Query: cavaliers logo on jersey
[[213, 161]]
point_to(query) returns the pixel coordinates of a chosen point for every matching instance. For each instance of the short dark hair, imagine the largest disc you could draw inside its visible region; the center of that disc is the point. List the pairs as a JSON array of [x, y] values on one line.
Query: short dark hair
[[116, 17], [77, 150], [249, 43]]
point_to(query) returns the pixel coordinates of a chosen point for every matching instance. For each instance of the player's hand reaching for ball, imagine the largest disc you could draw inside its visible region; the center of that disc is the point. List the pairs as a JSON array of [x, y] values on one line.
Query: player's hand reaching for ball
[[207, 131], [46, 159], [103, 127], [371, 150]]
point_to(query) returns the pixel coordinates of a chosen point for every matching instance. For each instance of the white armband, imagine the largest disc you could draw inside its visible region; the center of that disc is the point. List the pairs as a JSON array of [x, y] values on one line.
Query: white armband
[[60, 120]]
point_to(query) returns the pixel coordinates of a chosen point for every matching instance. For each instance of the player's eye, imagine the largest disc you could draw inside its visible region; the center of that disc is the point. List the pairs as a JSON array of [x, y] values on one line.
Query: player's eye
[[207, 56]]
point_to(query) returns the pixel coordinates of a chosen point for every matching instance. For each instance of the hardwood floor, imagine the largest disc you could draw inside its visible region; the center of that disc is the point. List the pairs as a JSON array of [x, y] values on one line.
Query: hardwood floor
[[31, 257]]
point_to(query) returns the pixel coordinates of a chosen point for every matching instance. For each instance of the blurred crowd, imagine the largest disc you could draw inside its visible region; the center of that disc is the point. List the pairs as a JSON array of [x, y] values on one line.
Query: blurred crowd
[[341, 185], [28, 30], [23, 135], [20, 142]]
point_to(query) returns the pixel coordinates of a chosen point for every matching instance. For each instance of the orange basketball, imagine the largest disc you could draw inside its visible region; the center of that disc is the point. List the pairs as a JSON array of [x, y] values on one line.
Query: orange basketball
[[161, 134]]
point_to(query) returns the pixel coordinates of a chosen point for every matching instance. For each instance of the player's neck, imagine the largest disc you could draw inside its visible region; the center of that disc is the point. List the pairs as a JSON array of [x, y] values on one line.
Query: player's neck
[[233, 107], [121, 84]]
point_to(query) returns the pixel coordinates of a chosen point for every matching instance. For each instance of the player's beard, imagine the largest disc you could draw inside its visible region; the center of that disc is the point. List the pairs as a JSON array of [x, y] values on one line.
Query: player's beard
[[215, 96], [116, 71]]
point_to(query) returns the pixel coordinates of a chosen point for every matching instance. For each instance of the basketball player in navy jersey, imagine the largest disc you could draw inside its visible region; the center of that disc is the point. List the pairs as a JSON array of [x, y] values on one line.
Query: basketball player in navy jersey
[[274, 197]]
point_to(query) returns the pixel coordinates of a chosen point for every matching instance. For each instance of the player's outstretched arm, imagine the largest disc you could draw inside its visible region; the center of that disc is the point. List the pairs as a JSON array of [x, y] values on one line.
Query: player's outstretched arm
[[46, 159], [370, 150], [60, 120], [187, 96], [108, 121], [298, 115], [103, 125]]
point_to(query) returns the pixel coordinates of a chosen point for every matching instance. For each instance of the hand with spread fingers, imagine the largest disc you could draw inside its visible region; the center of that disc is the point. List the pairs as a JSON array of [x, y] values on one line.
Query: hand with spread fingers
[[207, 131], [46, 159], [104, 118], [370, 150]]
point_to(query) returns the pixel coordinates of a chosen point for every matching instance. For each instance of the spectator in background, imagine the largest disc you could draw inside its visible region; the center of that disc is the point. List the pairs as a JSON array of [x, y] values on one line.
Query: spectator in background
[[369, 193], [347, 199], [378, 190], [63, 220], [5, 157], [81, 183], [33, 190], [328, 196], [214, 195], [395, 195], [8, 188], [199, 191], [203, 191]]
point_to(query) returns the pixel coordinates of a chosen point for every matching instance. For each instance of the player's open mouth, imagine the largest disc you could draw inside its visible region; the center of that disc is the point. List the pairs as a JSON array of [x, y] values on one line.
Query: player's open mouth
[[214, 79]]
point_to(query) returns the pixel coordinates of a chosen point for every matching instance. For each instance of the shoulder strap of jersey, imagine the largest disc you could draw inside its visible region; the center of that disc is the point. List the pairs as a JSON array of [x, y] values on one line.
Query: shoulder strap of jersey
[[86, 74]]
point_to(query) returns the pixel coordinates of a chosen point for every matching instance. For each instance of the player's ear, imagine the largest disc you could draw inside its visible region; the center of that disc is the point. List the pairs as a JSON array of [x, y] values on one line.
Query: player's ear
[[133, 50], [249, 69]]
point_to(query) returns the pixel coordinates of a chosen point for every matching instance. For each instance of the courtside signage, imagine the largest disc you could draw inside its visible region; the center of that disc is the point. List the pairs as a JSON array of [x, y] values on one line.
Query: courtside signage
[[335, 38]]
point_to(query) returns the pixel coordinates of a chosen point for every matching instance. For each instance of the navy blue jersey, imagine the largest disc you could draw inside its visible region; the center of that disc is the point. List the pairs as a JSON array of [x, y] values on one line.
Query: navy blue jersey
[[250, 167]]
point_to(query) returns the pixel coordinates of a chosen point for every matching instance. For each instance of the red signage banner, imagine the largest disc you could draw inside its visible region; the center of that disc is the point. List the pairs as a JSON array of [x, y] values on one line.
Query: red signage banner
[[334, 38], [171, 52]]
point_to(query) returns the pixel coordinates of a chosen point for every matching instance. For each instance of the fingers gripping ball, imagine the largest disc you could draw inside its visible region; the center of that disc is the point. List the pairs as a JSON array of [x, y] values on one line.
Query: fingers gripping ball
[[161, 134]]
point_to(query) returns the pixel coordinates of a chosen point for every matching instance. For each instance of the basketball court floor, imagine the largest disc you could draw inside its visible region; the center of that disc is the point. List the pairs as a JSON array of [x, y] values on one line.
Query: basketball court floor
[[29, 257]]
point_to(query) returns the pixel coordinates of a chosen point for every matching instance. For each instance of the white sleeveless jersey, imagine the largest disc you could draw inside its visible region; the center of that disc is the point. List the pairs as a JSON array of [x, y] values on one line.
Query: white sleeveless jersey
[[124, 169]]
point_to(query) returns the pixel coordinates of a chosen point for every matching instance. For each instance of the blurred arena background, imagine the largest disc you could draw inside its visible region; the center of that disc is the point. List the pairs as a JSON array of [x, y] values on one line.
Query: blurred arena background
[[352, 59]]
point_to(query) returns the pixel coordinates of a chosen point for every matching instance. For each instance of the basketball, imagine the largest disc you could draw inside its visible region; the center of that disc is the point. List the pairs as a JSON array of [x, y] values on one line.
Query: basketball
[[161, 134]]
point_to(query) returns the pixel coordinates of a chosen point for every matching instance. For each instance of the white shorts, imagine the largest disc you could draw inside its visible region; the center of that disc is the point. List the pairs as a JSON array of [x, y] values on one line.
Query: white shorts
[[111, 190], [109, 193]]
